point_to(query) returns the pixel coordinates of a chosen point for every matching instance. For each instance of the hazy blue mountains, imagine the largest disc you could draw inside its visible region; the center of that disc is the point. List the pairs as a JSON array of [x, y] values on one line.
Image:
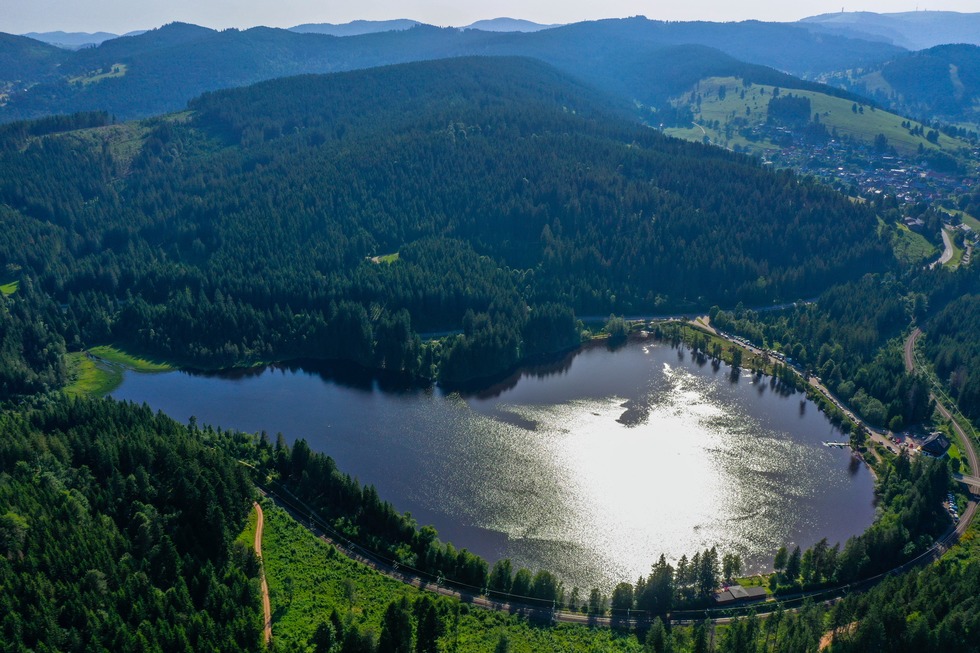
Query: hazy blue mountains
[[914, 30], [635, 59]]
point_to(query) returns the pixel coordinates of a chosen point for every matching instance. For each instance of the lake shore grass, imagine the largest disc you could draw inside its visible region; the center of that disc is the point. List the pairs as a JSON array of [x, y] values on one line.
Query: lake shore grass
[[99, 371], [89, 377], [129, 361]]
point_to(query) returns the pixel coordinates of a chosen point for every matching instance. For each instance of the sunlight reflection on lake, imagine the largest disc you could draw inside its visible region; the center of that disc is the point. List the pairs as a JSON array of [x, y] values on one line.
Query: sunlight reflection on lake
[[591, 468]]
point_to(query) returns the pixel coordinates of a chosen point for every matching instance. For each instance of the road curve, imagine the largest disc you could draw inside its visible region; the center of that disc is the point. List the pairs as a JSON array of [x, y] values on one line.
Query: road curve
[[266, 605], [947, 254], [965, 441]]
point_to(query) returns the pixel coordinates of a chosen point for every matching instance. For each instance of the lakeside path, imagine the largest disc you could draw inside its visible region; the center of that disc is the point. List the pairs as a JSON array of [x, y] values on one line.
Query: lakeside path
[[266, 605], [480, 597], [548, 612]]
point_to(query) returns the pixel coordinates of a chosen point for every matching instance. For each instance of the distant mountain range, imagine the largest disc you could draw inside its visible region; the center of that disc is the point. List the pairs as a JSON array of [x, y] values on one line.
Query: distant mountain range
[[914, 30], [635, 60], [356, 27], [79, 40], [508, 25]]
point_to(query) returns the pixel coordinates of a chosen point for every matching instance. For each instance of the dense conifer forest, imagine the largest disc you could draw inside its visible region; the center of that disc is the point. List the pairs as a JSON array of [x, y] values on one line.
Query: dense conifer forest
[[116, 531], [633, 59], [340, 217], [337, 216]]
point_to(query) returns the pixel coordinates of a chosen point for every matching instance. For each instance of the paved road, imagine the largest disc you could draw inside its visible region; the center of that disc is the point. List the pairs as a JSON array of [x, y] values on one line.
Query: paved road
[[266, 605], [966, 442], [947, 254], [876, 434]]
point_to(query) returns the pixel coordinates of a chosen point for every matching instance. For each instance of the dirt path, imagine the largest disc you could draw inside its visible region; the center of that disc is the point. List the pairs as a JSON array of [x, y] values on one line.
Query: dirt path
[[266, 606]]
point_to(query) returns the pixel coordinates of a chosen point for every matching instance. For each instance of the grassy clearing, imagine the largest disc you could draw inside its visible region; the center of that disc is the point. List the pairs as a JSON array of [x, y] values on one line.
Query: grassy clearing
[[129, 361], [247, 536], [116, 70], [91, 377], [124, 140], [834, 112], [754, 581], [9, 289], [308, 579], [385, 258], [909, 247], [99, 371], [954, 452]]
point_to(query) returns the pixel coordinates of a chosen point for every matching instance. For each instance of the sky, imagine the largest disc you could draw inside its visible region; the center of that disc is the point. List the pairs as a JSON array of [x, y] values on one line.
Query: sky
[[120, 16]]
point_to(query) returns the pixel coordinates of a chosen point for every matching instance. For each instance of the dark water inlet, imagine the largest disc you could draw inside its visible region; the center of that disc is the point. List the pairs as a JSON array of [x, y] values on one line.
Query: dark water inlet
[[591, 468]]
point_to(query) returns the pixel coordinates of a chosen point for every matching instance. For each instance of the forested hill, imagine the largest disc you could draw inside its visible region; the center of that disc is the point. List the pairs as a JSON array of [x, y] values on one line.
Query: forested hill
[[495, 196], [116, 534], [637, 59], [27, 60], [943, 81]]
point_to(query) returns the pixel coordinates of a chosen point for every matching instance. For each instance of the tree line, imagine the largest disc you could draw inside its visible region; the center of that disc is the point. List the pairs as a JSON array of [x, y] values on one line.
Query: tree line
[[254, 229], [116, 533]]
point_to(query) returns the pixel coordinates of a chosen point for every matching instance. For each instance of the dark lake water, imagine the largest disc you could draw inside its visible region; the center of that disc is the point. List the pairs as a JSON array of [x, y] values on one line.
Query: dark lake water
[[591, 468]]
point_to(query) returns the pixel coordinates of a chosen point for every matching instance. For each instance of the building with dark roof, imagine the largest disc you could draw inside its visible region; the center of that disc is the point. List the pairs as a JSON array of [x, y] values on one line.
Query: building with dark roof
[[935, 445], [737, 593]]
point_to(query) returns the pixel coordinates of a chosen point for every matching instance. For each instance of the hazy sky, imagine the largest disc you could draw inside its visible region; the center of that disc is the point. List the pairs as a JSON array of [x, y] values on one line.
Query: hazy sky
[[119, 16]]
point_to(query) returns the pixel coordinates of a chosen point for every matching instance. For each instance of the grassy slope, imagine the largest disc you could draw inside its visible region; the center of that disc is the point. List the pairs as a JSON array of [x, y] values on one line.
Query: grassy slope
[[967, 219], [834, 112], [322, 580], [116, 70], [99, 371], [90, 377], [247, 536], [909, 247], [9, 288], [129, 361]]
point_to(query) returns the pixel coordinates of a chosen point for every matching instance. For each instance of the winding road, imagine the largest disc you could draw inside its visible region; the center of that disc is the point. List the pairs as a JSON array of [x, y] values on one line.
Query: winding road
[[945, 257]]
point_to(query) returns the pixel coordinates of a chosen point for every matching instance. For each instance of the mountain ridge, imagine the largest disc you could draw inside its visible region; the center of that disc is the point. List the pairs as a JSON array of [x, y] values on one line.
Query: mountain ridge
[[502, 183], [914, 30], [637, 59]]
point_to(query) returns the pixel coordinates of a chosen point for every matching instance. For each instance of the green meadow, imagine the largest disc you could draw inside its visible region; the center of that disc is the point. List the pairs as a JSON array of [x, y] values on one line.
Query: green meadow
[[751, 108]]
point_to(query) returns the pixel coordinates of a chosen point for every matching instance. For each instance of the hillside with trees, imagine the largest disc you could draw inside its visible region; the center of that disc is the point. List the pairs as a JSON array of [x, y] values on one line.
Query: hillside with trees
[[635, 60], [494, 201], [258, 226], [941, 83], [116, 534]]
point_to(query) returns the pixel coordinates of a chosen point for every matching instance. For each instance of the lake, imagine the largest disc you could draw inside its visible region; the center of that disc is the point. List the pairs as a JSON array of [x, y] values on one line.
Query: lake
[[591, 467]]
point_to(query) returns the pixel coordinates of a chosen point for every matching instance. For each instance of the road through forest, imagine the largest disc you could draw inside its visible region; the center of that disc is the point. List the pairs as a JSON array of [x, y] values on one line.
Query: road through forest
[[549, 612]]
